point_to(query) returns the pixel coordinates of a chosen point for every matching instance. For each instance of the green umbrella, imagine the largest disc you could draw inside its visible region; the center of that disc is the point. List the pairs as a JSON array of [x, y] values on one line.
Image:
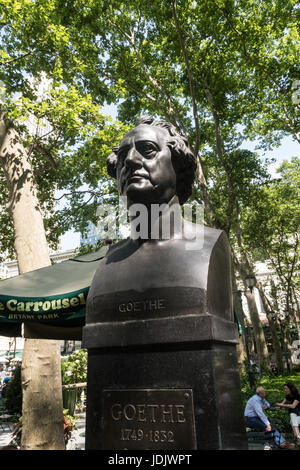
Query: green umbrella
[[50, 301]]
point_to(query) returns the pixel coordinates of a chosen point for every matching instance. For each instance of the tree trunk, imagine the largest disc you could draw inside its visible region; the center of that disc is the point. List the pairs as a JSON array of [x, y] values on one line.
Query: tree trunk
[[273, 329], [295, 303], [251, 340], [276, 343], [259, 337], [242, 346], [260, 341], [208, 208], [243, 267], [293, 312], [288, 343], [42, 411]]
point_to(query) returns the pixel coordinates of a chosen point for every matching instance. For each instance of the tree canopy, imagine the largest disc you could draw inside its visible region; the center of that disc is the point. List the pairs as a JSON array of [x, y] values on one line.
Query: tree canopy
[[220, 71], [271, 227]]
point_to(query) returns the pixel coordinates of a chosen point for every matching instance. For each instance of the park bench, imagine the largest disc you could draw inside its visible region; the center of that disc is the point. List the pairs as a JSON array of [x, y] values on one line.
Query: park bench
[[259, 440]]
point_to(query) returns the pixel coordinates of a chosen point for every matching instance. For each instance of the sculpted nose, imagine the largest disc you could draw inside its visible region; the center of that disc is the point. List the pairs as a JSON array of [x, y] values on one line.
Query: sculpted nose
[[133, 159]]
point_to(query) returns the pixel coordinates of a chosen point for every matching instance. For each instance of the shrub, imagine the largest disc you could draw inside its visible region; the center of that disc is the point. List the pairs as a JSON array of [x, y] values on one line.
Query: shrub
[[13, 394], [74, 368]]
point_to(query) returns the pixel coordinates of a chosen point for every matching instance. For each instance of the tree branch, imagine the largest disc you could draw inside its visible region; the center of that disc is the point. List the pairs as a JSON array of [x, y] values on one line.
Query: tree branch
[[47, 154], [221, 154], [131, 39], [7, 62], [261, 67], [190, 77], [93, 193]]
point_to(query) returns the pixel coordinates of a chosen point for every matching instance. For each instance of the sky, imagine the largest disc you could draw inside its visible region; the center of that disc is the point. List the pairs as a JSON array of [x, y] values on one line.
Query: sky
[[288, 148]]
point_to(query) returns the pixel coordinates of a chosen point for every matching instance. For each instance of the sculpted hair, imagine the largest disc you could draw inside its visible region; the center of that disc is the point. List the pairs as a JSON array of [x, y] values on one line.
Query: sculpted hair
[[183, 159]]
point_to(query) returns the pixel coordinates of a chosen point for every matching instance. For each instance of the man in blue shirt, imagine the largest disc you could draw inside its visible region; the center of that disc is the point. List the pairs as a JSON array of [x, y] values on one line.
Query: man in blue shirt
[[256, 418]]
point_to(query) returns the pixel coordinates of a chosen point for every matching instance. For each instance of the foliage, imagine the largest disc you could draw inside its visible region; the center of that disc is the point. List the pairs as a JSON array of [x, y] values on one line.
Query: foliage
[[13, 394], [69, 425], [276, 212], [66, 135], [166, 59], [74, 368], [219, 71], [234, 183], [89, 248]]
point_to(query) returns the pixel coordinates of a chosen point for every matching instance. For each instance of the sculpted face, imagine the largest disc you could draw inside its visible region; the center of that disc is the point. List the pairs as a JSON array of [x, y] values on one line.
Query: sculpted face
[[144, 170]]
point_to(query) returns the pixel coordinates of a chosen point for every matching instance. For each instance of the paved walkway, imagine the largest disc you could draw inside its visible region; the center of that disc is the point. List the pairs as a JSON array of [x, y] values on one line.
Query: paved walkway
[[6, 430], [76, 442]]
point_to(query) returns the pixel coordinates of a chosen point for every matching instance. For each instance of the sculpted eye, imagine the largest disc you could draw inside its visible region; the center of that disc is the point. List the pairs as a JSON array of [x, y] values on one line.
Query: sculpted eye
[[148, 149], [121, 156]]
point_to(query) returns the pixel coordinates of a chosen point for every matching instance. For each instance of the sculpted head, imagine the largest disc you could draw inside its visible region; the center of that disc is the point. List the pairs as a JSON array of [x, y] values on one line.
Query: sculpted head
[[153, 163]]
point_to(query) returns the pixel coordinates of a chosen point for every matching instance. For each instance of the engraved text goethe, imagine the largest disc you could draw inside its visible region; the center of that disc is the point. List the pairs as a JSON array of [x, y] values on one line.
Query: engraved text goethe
[[149, 413], [143, 305]]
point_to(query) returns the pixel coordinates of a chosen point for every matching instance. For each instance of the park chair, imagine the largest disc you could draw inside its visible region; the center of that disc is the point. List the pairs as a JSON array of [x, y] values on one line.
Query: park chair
[[5, 423]]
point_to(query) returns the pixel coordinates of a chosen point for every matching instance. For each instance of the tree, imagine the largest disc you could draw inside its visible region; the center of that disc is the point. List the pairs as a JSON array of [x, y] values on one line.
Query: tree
[[207, 68], [29, 165], [210, 68], [276, 212], [32, 252], [13, 393], [196, 65], [246, 174]]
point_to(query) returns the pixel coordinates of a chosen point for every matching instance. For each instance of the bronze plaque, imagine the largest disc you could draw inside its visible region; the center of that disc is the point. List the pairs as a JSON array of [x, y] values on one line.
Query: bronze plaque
[[149, 419]]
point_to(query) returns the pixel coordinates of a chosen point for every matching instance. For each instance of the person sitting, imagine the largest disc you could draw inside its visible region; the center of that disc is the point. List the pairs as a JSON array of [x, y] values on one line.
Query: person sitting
[[4, 388], [292, 403], [256, 419]]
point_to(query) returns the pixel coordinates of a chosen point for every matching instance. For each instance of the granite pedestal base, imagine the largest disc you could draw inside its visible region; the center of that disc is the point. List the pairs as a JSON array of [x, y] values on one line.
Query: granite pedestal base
[[168, 384]]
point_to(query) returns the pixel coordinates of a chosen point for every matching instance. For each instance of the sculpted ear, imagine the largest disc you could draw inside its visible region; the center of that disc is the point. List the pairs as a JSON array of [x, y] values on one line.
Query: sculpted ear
[[111, 163], [185, 166]]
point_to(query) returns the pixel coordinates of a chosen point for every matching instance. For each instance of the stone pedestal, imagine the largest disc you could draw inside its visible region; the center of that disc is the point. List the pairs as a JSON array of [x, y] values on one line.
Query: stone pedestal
[[163, 384]]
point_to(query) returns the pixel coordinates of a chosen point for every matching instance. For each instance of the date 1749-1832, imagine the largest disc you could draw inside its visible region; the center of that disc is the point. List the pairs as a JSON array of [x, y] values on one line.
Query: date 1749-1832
[[146, 421]]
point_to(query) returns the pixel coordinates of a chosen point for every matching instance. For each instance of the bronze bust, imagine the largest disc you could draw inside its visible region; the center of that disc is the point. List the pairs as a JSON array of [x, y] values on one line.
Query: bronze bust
[[159, 322], [146, 277]]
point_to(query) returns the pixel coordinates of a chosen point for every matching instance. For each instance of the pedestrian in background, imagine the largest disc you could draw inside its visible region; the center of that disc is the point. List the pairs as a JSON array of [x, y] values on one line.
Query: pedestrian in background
[[255, 418], [292, 403]]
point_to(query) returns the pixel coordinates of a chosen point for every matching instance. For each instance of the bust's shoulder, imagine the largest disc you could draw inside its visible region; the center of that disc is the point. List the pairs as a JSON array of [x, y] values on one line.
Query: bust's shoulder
[[206, 236], [118, 245], [213, 233], [121, 250]]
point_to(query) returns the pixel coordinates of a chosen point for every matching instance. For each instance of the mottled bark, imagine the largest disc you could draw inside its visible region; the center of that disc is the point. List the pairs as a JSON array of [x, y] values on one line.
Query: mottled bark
[[42, 411]]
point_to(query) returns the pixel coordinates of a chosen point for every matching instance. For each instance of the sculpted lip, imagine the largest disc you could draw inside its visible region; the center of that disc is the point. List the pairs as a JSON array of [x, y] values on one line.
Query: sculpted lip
[[133, 178], [136, 176]]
